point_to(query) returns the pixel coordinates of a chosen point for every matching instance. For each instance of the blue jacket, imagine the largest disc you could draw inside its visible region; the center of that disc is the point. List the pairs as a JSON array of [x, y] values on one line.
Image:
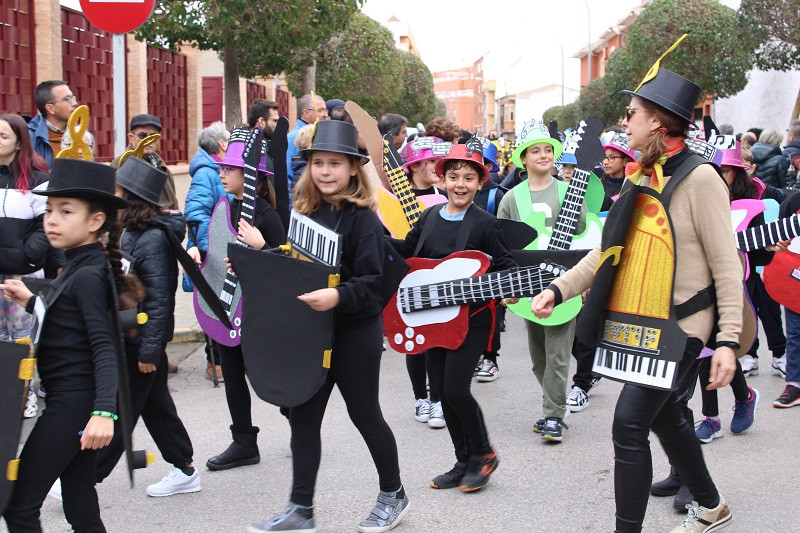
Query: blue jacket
[[204, 192], [292, 151], [40, 138]]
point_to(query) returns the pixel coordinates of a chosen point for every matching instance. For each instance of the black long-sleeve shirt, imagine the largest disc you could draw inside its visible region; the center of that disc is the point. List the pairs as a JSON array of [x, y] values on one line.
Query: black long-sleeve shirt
[[265, 219], [362, 262], [485, 235], [77, 348]]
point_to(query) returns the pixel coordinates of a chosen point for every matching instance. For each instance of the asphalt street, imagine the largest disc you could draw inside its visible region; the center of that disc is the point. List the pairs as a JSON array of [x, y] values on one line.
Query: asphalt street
[[538, 487]]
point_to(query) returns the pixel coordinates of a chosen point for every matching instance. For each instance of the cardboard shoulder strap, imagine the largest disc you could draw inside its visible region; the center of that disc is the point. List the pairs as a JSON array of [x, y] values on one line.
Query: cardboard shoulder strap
[[464, 229], [522, 197]]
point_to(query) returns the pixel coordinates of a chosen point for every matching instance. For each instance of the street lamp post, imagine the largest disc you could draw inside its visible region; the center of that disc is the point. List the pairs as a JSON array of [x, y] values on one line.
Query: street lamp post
[[589, 49]]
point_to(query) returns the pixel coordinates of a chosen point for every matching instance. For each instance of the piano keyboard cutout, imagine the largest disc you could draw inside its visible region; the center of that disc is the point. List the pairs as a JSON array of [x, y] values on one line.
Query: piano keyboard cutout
[[314, 242], [630, 353]]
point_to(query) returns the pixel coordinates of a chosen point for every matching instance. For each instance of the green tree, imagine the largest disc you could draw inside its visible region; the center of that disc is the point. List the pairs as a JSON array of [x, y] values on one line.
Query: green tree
[[360, 63], [774, 28], [567, 116], [594, 101], [253, 38], [417, 101], [716, 55]]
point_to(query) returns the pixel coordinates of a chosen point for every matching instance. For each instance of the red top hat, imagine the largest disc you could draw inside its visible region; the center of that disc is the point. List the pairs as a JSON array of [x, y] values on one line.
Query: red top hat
[[472, 151]]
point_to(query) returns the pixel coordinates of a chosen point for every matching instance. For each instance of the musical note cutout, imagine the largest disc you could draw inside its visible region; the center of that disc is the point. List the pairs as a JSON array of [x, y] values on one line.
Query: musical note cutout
[[138, 152], [77, 124], [654, 69]]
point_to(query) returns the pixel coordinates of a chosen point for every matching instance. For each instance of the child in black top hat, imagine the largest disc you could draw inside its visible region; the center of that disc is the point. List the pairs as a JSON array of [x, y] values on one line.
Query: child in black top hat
[[335, 190], [77, 351], [145, 239]]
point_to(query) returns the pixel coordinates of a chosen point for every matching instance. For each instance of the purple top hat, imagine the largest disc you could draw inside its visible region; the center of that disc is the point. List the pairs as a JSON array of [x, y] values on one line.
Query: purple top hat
[[234, 156], [423, 149]]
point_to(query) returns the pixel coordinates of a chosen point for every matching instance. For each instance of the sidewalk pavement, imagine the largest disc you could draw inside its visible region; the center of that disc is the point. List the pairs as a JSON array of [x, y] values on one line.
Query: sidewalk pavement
[[186, 327]]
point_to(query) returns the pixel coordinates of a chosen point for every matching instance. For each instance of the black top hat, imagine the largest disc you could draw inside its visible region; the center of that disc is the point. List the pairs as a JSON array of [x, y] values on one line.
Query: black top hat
[[334, 136], [674, 93], [76, 178], [142, 179]]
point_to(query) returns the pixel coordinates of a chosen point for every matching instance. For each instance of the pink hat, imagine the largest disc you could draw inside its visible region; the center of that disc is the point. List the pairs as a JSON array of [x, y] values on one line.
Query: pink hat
[[619, 142], [423, 149], [733, 157]]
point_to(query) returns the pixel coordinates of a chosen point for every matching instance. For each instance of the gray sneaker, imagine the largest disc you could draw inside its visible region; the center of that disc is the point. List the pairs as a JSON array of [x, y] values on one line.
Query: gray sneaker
[[386, 514], [290, 520]]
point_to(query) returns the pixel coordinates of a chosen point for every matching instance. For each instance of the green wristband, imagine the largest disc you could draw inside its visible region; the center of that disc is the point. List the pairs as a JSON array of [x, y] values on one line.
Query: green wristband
[[105, 414]]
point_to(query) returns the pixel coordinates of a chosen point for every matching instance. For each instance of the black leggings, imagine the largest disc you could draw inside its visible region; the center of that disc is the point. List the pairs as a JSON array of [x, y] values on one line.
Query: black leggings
[[640, 409], [769, 311], [236, 391], [584, 356], [452, 372], [53, 450], [710, 401], [150, 399], [355, 368], [420, 373]]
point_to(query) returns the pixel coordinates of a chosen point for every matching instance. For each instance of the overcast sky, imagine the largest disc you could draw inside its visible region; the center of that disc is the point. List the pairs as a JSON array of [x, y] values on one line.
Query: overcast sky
[[530, 34]]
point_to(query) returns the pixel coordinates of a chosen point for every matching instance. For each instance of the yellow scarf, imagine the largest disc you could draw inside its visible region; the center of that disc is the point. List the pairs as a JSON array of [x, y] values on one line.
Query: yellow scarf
[[634, 171]]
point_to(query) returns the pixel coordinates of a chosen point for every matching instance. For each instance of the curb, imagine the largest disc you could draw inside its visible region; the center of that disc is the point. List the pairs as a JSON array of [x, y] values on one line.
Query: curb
[[186, 335]]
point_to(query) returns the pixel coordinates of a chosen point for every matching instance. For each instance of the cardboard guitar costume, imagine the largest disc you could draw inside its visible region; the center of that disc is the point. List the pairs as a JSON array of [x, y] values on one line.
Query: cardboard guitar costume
[[16, 370]]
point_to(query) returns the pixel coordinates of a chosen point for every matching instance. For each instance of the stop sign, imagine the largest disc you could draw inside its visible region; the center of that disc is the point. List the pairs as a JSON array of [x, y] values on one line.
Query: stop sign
[[117, 16]]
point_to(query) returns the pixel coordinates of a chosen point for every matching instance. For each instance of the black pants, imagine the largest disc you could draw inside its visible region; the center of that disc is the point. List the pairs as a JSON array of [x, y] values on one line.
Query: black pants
[[355, 368], [150, 400], [236, 391], [499, 323], [640, 409], [53, 450], [420, 372], [452, 371], [584, 356], [769, 311], [710, 400]]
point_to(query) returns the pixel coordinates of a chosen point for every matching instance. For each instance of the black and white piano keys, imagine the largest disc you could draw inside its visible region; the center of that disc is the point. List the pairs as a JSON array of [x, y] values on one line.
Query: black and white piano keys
[[631, 367]]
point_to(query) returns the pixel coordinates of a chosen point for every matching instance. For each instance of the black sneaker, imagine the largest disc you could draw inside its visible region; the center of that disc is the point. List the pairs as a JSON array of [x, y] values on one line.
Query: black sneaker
[[594, 382], [479, 469], [788, 398], [451, 479], [539, 425], [682, 498], [553, 430], [668, 486]]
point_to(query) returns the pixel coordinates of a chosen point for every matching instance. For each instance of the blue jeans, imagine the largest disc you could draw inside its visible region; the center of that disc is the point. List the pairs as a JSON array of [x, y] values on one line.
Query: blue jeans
[[792, 346]]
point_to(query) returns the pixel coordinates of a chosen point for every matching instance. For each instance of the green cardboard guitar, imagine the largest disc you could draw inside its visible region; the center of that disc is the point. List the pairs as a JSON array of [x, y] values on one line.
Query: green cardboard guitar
[[589, 152]]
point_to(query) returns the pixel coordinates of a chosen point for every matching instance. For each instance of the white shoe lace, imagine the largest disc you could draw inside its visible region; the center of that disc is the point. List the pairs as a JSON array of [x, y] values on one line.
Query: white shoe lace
[[694, 513]]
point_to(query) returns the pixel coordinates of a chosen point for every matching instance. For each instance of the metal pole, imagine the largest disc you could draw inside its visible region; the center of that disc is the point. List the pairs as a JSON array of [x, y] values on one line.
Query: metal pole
[[120, 122], [589, 49]]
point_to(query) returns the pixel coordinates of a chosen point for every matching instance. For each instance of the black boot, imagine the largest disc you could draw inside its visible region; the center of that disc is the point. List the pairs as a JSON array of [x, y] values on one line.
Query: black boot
[[682, 498], [668, 486], [242, 451]]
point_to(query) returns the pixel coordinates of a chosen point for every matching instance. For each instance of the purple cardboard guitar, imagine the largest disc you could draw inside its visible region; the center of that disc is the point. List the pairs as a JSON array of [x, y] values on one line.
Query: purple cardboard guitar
[[220, 233]]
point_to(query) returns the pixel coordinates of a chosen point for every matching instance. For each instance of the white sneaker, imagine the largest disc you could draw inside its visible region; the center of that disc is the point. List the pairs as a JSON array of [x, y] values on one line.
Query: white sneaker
[[176, 482], [577, 400], [31, 405], [778, 367], [55, 490], [488, 372], [749, 365], [437, 416], [422, 410]]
